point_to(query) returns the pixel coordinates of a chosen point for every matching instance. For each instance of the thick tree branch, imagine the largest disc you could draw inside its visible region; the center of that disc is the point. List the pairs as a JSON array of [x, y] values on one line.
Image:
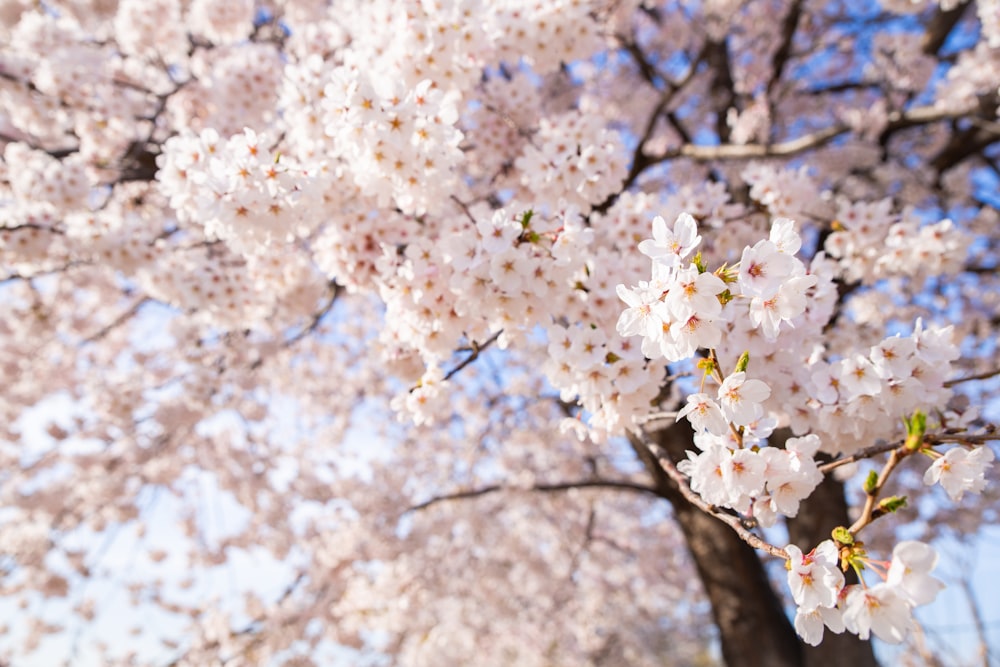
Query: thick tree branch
[[940, 26], [753, 628], [723, 89], [824, 508], [782, 54], [897, 121]]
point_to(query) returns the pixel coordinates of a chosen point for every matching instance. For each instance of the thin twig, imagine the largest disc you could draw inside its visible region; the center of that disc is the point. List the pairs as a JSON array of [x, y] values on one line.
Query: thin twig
[[465, 209], [318, 316], [475, 349], [621, 484], [979, 376], [861, 454], [117, 322], [731, 520], [930, 439], [872, 495]]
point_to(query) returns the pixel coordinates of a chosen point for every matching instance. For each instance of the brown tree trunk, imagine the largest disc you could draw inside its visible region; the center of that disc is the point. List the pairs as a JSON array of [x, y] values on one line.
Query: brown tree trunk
[[824, 510], [753, 628]]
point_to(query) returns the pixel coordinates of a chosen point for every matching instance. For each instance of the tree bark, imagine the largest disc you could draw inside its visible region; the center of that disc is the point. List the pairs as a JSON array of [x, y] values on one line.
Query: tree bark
[[753, 628], [818, 515]]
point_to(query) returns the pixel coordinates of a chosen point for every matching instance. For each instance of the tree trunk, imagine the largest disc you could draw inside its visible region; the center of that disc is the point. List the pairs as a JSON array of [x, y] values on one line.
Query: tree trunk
[[753, 628], [821, 512]]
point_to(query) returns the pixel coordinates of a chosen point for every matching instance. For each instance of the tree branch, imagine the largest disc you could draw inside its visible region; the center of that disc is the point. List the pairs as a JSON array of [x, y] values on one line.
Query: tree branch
[[117, 322], [335, 290], [623, 485], [739, 526], [930, 439], [475, 349], [784, 51], [940, 26], [979, 376], [897, 121]]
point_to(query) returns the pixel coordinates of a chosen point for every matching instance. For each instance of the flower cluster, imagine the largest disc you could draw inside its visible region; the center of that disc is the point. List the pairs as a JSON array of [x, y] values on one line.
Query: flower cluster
[[683, 307], [573, 158], [44, 181], [151, 29], [231, 291], [884, 609], [783, 192], [222, 21], [236, 87], [546, 34], [237, 189], [865, 230], [860, 397], [402, 144], [845, 391], [762, 482], [500, 127]]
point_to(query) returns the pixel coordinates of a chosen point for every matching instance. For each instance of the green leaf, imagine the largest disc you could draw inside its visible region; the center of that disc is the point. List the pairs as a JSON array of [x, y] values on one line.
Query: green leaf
[[841, 535], [744, 361], [871, 482], [892, 504]]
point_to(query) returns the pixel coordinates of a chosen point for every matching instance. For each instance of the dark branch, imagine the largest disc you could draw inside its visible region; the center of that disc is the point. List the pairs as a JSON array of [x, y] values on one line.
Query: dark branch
[[784, 51], [739, 526], [475, 349], [623, 485], [318, 316], [117, 322], [723, 88], [979, 376], [941, 25]]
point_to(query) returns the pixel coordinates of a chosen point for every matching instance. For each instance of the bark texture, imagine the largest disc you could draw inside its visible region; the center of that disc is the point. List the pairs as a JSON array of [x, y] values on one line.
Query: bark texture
[[753, 628], [826, 508]]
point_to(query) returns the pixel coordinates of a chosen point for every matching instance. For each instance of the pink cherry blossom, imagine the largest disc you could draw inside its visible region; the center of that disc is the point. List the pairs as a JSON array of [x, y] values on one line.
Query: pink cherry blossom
[[409, 330], [814, 578], [704, 414]]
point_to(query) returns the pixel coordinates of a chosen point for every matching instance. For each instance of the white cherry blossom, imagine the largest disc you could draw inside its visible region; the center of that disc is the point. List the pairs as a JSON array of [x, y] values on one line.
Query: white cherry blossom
[[741, 398], [877, 610], [960, 470], [670, 246], [814, 578]]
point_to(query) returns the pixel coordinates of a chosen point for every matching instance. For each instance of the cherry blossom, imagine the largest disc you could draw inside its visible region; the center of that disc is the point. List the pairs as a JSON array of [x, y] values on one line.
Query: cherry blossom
[[433, 332], [815, 578], [741, 398], [911, 563], [704, 414], [960, 471], [877, 610], [670, 246]]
